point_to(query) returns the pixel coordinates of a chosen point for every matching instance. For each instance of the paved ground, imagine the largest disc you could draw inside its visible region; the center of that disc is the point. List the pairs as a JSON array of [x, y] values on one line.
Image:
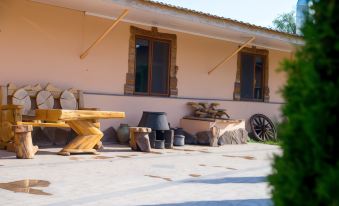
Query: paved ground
[[190, 175]]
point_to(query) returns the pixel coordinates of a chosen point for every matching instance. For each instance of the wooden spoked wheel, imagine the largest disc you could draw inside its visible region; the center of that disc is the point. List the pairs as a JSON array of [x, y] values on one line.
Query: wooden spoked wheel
[[263, 128]]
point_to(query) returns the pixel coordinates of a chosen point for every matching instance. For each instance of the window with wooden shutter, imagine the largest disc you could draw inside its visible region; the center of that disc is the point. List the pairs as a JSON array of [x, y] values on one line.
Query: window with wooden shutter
[[252, 75], [152, 66]]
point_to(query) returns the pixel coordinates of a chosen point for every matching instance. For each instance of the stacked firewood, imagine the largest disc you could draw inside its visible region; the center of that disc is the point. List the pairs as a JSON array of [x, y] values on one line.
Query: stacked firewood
[[205, 110]]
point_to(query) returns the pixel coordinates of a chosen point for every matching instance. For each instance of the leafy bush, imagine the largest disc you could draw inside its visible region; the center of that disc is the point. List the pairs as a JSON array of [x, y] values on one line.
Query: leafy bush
[[308, 171]]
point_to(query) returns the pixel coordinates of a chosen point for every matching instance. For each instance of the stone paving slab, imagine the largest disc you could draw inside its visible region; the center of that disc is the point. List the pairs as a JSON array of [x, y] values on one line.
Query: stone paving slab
[[190, 175]]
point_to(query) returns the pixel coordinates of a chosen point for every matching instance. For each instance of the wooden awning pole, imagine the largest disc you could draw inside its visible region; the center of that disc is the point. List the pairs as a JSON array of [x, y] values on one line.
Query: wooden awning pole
[[122, 15], [234, 53]]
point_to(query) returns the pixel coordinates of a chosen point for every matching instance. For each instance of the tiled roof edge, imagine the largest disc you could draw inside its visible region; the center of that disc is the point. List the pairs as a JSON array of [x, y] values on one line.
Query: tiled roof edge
[[217, 18]]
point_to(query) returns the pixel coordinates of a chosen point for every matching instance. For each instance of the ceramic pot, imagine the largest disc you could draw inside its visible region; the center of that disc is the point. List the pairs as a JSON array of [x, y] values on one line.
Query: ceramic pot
[[179, 140], [123, 133]]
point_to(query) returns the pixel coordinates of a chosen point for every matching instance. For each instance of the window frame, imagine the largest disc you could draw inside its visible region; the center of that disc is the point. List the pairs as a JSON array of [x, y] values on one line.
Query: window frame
[[254, 75], [265, 76], [150, 66], [129, 87]]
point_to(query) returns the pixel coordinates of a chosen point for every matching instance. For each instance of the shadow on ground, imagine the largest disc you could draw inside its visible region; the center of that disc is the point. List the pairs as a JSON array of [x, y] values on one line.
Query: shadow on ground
[[224, 180], [7, 155], [248, 202]]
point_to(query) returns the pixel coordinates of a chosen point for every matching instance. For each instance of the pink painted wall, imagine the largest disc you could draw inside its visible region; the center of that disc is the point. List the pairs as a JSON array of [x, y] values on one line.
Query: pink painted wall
[[41, 43], [175, 108]]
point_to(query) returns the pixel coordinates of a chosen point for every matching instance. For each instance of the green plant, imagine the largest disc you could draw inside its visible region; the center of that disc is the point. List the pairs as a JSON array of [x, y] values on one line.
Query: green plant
[[308, 171]]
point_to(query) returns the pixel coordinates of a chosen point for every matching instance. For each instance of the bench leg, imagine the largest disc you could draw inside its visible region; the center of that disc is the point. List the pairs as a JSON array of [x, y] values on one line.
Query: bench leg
[[88, 137]]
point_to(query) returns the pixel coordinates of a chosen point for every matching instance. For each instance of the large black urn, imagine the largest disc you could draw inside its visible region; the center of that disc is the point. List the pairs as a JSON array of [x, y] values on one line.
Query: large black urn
[[154, 120], [161, 135]]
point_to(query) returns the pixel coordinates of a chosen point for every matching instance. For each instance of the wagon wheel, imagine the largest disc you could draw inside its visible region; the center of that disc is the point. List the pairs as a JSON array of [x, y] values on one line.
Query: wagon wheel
[[263, 128]]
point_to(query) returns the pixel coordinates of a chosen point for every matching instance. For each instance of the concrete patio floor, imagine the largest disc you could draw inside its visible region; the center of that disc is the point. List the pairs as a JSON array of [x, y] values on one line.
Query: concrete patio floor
[[190, 175]]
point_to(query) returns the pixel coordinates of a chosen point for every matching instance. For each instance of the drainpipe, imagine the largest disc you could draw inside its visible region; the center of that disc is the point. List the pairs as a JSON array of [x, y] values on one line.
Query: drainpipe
[[302, 9]]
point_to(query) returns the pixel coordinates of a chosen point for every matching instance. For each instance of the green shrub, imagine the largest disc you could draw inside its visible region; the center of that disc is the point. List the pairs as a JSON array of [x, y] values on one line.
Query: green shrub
[[308, 171]]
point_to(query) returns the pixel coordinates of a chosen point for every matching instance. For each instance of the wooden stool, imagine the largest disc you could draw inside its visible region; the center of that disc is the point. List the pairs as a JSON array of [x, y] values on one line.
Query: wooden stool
[[139, 139], [23, 142]]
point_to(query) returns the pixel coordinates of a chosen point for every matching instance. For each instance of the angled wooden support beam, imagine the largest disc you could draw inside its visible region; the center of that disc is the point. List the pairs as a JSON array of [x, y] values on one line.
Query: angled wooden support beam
[[122, 15], [234, 53]]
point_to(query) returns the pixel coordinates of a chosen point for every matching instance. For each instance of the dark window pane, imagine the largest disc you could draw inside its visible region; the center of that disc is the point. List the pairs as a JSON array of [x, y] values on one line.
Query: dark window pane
[[141, 65], [259, 69], [247, 75], [160, 63]]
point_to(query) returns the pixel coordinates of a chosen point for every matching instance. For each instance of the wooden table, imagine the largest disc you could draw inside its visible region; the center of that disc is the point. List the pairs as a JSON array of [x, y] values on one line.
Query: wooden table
[[83, 122]]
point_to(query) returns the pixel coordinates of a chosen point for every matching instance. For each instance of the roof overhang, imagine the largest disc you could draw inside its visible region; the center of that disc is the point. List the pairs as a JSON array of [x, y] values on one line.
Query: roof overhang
[[152, 14]]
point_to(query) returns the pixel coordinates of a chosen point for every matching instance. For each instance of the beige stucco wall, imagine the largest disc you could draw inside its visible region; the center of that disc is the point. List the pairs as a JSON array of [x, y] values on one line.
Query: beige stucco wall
[[41, 44]]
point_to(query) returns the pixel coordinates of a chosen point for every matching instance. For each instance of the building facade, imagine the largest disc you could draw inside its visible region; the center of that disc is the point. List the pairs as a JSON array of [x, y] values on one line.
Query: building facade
[[157, 58]]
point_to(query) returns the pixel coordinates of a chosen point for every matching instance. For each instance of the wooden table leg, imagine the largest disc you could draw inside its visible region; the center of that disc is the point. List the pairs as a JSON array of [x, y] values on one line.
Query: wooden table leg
[[88, 136]]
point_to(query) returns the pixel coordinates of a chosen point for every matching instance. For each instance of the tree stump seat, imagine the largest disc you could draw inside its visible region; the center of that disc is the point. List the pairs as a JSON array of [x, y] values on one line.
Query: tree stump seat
[[139, 139], [24, 147]]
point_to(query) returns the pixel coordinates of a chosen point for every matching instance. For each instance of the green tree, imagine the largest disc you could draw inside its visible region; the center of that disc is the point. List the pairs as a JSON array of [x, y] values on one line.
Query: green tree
[[307, 173], [285, 23]]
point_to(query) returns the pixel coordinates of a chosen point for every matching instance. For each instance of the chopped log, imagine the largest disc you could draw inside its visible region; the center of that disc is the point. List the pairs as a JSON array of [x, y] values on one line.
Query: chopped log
[[51, 88], [68, 100], [73, 90], [11, 86], [21, 97], [37, 88], [27, 87], [45, 100], [23, 142]]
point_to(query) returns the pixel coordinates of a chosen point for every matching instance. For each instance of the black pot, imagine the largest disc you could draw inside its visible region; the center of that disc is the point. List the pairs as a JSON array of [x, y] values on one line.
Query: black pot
[[179, 140], [154, 120], [169, 138], [160, 135], [152, 136], [159, 144], [179, 131]]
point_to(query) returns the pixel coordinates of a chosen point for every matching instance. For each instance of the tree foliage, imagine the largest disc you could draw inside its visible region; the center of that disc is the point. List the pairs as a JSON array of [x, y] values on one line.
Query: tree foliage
[[285, 23], [307, 173]]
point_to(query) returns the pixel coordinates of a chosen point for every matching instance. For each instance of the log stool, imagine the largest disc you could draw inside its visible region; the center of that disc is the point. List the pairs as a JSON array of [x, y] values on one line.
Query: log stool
[[139, 139], [24, 147]]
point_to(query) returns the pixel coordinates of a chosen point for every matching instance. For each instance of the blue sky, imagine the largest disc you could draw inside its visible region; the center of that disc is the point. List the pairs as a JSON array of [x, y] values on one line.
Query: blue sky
[[259, 12]]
